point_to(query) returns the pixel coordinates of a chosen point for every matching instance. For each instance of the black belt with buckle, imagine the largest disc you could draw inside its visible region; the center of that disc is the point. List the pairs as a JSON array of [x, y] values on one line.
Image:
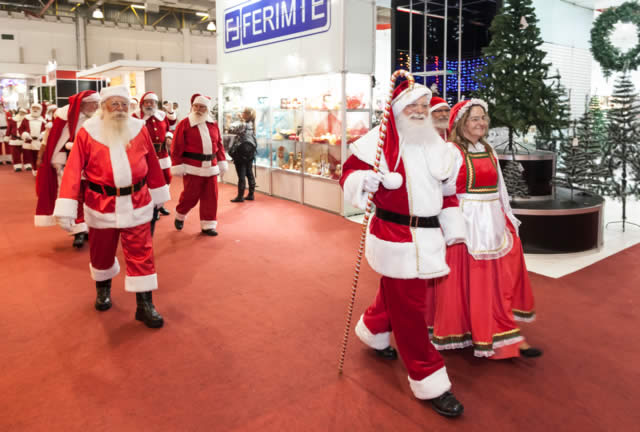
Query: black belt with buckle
[[3, 127], [112, 191], [198, 156], [158, 146], [407, 220]]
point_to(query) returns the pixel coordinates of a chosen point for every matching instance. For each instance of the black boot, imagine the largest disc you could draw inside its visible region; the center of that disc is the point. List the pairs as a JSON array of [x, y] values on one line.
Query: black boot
[[79, 239], [146, 312], [178, 224], [164, 212], [447, 405], [239, 197], [389, 353], [250, 196], [103, 297]]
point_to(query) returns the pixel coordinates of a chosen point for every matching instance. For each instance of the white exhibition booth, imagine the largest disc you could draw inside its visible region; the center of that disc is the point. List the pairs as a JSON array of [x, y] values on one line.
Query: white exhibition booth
[[174, 82], [306, 67]]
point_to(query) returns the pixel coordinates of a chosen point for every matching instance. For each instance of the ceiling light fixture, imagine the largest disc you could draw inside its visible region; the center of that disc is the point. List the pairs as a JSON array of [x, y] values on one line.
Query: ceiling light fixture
[[97, 14], [211, 26], [135, 6], [202, 14]]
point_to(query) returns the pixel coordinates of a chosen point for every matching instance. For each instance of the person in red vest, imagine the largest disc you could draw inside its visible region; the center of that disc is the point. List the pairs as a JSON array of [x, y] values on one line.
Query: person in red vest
[[17, 154], [158, 124], [124, 183], [59, 140], [198, 156], [31, 130]]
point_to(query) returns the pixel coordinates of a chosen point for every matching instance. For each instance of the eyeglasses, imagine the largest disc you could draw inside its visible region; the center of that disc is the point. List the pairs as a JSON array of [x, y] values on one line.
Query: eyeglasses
[[415, 106], [479, 119], [115, 104]]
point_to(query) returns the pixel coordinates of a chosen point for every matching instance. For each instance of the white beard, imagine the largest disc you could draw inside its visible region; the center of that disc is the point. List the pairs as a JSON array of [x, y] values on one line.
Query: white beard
[[413, 132], [115, 129], [149, 112], [196, 118]]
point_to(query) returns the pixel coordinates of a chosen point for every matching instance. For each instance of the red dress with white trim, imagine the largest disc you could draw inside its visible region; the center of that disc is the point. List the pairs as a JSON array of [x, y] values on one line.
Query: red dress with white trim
[[488, 288]]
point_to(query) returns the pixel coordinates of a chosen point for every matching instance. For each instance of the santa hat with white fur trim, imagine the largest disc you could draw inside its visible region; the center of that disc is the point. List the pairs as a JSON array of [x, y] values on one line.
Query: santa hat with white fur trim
[[37, 106], [403, 96], [200, 99], [462, 107], [436, 103], [149, 96], [109, 92], [93, 97]]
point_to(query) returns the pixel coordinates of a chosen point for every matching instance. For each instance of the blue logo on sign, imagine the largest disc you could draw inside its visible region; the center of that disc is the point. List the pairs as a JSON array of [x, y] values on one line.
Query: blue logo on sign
[[262, 22]]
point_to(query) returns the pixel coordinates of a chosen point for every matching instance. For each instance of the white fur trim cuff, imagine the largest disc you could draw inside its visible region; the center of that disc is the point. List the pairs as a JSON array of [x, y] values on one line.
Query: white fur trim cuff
[[141, 283], [17, 167], [354, 189], [169, 135], [205, 225], [376, 341], [165, 163], [160, 195], [103, 275], [79, 228], [453, 226], [44, 220], [66, 207], [180, 216], [178, 170], [432, 386], [223, 166], [172, 116], [202, 171]]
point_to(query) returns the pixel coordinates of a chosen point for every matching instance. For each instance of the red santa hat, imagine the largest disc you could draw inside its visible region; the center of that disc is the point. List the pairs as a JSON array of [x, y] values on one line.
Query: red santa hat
[[36, 106], [149, 96], [135, 100], [23, 111], [462, 107], [403, 95], [109, 92], [200, 99], [436, 103]]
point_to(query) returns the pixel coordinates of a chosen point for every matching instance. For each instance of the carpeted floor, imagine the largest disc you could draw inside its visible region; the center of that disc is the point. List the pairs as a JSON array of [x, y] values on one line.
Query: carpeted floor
[[254, 322]]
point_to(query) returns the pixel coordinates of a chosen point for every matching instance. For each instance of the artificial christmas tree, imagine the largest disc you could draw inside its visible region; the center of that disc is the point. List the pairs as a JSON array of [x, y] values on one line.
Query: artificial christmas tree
[[514, 81], [516, 185], [558, 132], [572, 163], [600, 125], [620, 157]]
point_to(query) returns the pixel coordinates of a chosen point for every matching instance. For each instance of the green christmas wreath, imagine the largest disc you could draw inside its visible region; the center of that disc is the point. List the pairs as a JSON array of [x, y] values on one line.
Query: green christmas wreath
[[610, 57]]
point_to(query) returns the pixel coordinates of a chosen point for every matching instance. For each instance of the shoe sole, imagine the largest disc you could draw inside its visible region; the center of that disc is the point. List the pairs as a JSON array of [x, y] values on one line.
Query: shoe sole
[[446, 413], [150, 324], [102, 308]]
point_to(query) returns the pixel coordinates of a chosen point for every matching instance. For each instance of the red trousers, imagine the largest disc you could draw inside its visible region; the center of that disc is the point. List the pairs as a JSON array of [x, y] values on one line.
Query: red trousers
[[16, 155], [137, 247], [167, 175], [5, 149], [205, 190], [400, 306]]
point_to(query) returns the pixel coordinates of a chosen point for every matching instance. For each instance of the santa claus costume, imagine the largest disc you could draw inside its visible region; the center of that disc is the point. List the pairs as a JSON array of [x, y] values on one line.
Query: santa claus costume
[[488, 288], [15, 141], [31, 130], [158, 124], [5, 150], [404, 241], [66, 123], [437, 104], [124, 183], [198, 156]]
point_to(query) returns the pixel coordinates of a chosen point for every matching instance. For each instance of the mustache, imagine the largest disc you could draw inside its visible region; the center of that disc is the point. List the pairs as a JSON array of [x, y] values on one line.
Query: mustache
[[417, 116]]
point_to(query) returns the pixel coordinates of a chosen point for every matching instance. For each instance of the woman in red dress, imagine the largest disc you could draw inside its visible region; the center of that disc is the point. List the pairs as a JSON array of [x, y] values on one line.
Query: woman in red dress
[[488, 289]]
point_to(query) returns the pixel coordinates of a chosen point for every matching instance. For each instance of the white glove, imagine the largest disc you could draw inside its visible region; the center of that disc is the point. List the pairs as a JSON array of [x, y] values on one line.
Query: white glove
[[224, 166], [178, 170], [65, 222], [371, 181]]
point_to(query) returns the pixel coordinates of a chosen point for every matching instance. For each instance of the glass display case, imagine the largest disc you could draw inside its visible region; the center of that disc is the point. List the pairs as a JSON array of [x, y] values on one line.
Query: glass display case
[[304, 126]]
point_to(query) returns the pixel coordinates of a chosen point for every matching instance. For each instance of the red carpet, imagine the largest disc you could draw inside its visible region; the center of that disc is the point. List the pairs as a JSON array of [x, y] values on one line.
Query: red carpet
[[253, 326]]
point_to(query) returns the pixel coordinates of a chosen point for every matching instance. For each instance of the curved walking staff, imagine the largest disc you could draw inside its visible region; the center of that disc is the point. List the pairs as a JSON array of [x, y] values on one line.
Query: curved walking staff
[[367, 214]]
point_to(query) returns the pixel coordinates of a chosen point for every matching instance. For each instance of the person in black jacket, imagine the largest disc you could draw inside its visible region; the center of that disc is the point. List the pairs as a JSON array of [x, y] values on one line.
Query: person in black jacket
[[243, 152]]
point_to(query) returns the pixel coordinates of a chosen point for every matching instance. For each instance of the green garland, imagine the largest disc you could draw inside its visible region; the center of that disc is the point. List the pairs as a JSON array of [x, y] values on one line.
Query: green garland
[[609, 57]]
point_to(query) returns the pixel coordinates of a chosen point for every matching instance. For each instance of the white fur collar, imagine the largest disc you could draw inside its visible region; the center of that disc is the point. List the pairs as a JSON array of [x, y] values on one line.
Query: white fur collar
[[93, 126], [194, 122], [30, 117], [159, 114], [62, 113], [365, 149]]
